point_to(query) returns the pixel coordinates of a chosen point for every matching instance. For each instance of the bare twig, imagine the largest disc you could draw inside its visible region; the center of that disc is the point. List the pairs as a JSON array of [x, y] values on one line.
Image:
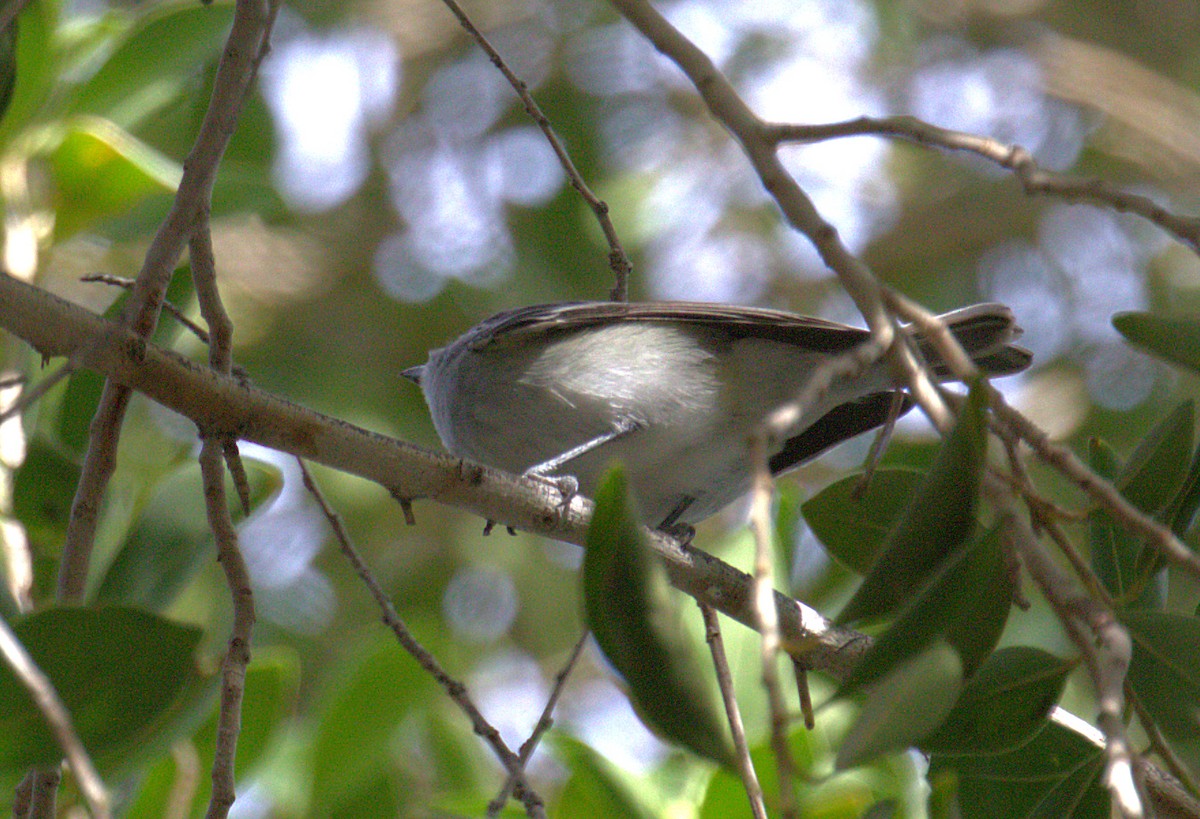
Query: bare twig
[[56, 327], [42, 793], [42, 690], [1159, 743], [544, 723], [456, 690], [1102, 641], [1032, 176], [768, 621], [9, 12], [104, 434], [1100, 490], [32, 395], [233, 669], [244, 50], [712, 633], [617, 259], [176, 312]]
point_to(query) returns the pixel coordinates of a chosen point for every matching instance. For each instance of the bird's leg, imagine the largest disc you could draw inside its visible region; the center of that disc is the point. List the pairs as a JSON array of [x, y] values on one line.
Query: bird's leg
[[683, 532], [568, 485]]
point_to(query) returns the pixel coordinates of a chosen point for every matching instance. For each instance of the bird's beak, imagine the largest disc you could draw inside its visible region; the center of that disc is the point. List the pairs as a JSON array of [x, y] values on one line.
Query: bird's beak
[[414, 374]]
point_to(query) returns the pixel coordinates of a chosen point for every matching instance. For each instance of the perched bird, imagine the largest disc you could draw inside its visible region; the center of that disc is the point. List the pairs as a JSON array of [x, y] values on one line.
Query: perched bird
[[673, 390]]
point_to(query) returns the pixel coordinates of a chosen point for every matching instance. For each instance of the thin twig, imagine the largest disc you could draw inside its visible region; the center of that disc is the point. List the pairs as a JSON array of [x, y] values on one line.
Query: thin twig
[[237, 658], [618, 260], [244, 50], [42, 690], [99, 462], [712, 634], [1159, 743], [43, 793], [1099, 489], [768, 621], [9, 12], [1103, 643], [544, 723], [176, 312], [456, 690], [727, 107], [1033, 178], [32, 395]]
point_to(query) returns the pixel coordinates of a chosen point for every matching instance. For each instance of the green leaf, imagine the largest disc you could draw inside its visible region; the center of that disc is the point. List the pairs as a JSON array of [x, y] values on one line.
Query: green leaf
[[1176, 340], [1182, 511], [35, 68], [43, 490], [357, 716], [596, 787], [1056, 775], [101, 171], [1003, 705], [854, 529], [787, 522], [78, 407], [173, 43], [121, 673], [632, 611], [1114, 549], [8, 64], [1156, 469], [1151, 480], [905, 706], [936, 524], [965, 605], [1165, 675]]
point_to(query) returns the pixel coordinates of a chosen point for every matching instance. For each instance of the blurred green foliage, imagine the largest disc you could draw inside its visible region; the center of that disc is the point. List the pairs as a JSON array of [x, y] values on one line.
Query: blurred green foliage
[[99, 113]]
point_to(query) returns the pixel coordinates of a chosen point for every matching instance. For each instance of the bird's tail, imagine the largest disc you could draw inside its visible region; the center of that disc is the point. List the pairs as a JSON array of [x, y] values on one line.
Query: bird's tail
[[986, 332]]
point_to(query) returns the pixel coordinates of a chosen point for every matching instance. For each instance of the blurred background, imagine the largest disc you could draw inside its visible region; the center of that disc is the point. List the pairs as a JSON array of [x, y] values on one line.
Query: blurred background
[[385, 191]]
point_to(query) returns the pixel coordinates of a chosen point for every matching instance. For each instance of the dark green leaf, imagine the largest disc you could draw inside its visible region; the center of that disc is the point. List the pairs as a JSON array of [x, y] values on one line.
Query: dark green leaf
[[635, 617], [854, 530], [121, 673], [1176, 340], [1151, 480], [940, 518], [1158, 465], [1165, 676], [965, 604], [43, 489], [905, 706], [177, 40], [1182, 511], [78, 406], [1056, 775], [1003, 705], [1114, 549]]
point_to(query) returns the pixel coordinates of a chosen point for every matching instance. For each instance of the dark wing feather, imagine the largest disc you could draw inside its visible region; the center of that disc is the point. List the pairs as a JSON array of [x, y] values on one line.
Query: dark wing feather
[[734, 321], [841, 423]]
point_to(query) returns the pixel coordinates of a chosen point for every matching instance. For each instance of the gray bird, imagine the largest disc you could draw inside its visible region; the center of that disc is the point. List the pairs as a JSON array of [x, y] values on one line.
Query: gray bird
[[673, 390]]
